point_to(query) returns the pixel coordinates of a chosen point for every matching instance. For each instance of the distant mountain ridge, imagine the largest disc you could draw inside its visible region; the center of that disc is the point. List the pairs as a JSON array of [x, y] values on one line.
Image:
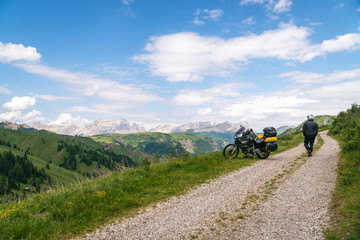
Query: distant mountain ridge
[[15, 126], [197, 127], [123, 126], [99, 126]]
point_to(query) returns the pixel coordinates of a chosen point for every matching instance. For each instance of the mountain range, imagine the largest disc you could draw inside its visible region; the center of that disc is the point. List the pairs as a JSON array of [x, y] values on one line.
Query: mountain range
[[123, 126]]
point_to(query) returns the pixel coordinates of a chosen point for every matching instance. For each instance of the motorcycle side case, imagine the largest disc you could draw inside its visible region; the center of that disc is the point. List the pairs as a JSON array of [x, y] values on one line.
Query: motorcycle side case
[[271, 146]]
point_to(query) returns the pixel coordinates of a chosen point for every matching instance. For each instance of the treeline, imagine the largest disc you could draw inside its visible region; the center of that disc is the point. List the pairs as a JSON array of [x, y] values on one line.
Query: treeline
[[8, 144], [107, 158], [19, 169]]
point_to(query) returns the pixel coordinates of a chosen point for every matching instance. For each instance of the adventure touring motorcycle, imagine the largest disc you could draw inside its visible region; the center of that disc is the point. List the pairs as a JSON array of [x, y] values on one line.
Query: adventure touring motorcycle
[[246, 140]]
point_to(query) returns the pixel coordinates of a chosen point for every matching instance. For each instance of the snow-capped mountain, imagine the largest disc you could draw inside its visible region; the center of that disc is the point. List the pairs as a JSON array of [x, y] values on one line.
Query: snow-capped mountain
[[123, 126], [200, 127], [99, 126], [61, 129]]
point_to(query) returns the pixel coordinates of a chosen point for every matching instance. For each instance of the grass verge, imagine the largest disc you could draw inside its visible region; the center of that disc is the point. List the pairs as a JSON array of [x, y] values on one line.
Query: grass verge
[[67, 212], [345, 207]]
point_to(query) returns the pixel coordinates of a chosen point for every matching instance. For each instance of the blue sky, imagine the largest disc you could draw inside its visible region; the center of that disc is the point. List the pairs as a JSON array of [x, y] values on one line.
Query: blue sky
[[154, 62]]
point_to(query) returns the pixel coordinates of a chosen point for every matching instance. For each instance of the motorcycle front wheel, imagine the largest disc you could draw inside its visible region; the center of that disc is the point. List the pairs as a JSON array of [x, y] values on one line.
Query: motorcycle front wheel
[[263, 155], [230, 151]]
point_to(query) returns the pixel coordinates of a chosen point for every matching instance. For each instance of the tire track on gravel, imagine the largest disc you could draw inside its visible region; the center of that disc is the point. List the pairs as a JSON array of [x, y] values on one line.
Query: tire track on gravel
[[296, 208]]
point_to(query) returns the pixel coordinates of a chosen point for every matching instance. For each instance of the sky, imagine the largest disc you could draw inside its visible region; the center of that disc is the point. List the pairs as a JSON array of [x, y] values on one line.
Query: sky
[[156, 62]]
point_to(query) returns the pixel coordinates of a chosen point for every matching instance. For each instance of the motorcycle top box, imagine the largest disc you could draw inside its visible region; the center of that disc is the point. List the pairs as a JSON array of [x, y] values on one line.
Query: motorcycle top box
[[270, 132]]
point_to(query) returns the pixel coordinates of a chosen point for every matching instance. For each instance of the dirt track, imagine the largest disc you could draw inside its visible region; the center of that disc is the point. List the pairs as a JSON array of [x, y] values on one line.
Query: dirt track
[[283, 197]]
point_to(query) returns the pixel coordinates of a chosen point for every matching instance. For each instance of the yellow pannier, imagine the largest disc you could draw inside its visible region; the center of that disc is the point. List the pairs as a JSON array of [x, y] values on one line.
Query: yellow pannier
[[271, 139], [260, 136]]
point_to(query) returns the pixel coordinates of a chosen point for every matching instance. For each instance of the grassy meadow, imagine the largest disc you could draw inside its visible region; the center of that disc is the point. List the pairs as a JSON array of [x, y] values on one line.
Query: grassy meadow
[[65, 212]]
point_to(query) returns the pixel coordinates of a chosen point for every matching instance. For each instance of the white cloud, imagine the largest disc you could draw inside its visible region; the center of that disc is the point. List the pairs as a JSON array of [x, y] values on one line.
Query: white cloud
[[204, 111], [187, 56], [16, 52], [55, 98], [4, 89], [279, 6], [214, 14], [308, 93], [65, 119], [341, 5], [19, 103], [127, 2], [258, 107], [20, 117], [249, 21], [312, 78], [202, 15], [92, 85], [283, 6], [244, 2], [209, 95], [349, 41]]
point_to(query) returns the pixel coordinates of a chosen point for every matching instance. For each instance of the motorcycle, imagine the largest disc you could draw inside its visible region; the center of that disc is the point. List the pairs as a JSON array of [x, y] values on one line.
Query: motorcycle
[[251, 144]]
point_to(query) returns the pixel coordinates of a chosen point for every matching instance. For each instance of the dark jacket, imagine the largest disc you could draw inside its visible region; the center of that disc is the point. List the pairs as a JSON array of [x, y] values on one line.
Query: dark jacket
[[310, 128]]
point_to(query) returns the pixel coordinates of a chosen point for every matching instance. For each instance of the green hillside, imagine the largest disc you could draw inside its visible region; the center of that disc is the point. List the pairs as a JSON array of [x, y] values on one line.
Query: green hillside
[[55, 148], [321, 120], [36, 159], [163, 143], [59, 175], [227, 136]]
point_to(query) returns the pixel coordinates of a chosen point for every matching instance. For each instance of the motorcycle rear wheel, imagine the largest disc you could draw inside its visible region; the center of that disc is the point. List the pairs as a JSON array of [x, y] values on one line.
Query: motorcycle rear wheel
[[263, 155], [230, 151]]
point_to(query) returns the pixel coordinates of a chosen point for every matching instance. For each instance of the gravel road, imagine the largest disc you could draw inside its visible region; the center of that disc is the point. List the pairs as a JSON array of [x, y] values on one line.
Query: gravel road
[[283, 197]]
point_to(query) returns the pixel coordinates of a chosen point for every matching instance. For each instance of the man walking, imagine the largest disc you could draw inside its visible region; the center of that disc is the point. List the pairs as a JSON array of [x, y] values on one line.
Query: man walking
[[310, 130]]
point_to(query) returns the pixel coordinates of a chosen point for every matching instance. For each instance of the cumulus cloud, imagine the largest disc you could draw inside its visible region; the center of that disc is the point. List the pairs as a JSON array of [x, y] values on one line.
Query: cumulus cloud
[[4, 89], [188, 56], [315, 93], [66, 119], [279, 6], [16, 52], [202, 15], [20, 117], [19, 103]]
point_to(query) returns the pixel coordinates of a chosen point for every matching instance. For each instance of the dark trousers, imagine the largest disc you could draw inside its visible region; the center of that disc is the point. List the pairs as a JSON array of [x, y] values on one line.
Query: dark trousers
[[309, 143]]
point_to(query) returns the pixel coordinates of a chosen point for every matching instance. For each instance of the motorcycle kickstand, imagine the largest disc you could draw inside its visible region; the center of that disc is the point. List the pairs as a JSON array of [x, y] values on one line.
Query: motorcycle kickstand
[[254, 152]]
